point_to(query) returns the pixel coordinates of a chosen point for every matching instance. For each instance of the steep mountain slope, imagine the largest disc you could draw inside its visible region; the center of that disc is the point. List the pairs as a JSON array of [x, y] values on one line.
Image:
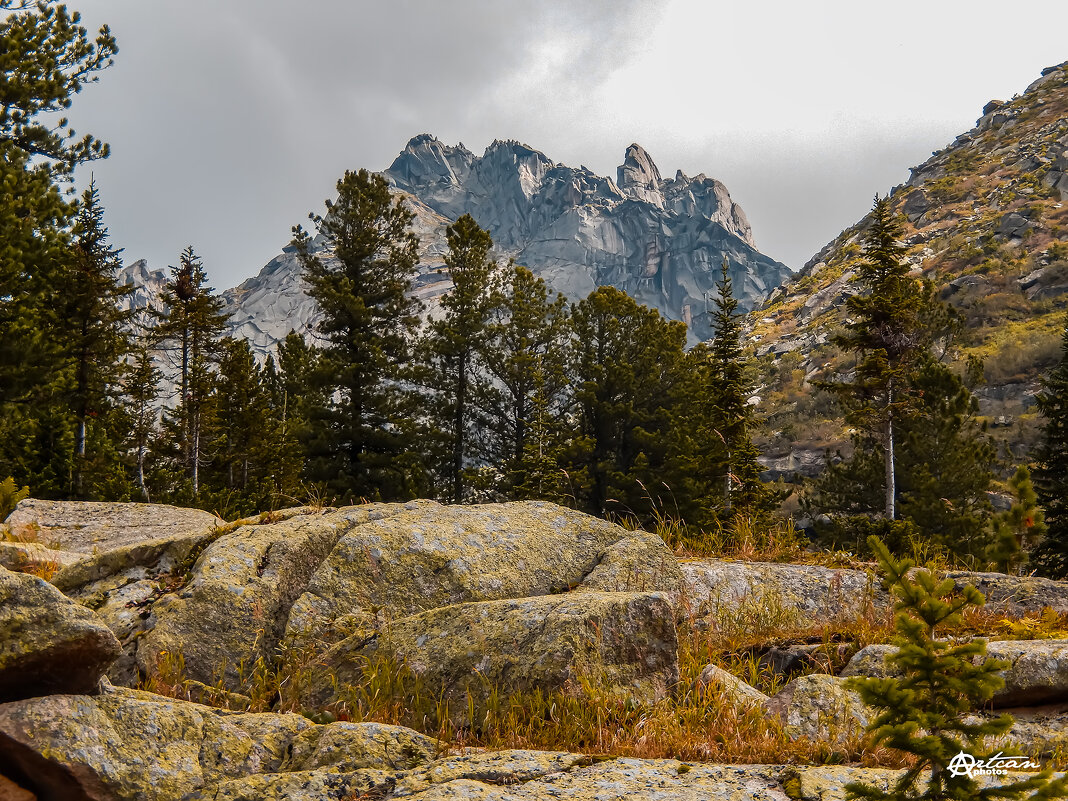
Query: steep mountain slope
[[660, 240], [987, 222]]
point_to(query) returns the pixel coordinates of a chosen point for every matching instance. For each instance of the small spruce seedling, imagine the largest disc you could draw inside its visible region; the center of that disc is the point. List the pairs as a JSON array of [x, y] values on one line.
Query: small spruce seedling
[[924, 708]]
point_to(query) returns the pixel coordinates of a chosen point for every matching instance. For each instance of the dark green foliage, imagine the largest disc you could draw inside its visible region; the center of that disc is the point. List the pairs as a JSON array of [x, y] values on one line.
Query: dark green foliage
[[46, 57], [10, 495], [1051, 472], [625, 362], [1017, 529], [189, 333], [141, 389], [522, 405], [721, 473], [98, 339], [451, 346], [923, 710], [919, 451], [362, 442], [887, 334], [240, 433]]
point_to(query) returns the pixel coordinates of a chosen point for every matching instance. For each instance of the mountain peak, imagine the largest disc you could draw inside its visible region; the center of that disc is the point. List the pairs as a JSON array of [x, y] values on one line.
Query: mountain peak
[[639, 178]]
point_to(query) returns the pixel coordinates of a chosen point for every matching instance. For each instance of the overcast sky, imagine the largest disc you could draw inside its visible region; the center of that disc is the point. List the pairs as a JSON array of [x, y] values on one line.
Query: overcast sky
[[230, 120]]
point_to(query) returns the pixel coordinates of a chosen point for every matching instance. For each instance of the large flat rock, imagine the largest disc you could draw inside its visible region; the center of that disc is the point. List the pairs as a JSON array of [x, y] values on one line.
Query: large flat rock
[[429, 556], [48, 643], [624, 642], [1015, 595], [89, 527], [715, 589]]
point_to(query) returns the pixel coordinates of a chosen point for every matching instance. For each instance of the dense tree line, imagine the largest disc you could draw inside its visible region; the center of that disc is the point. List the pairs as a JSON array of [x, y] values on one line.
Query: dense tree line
[[501, 391]]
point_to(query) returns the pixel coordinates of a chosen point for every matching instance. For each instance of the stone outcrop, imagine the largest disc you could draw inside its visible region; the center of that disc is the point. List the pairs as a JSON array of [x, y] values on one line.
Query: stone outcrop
[[819, 707], [715, 679], [427, 556], [87, 541], [126, 744], [1037, 672], [716, 589], [1015, 595], [624, 643], [395, 574], [48, 643]]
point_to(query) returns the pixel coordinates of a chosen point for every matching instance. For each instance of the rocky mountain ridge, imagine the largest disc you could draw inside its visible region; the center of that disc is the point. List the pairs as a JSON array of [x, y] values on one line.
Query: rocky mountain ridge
[[987, 224], [661, 240]]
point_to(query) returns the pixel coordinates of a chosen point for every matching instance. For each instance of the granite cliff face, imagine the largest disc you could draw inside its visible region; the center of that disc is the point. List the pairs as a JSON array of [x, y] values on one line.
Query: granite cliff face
[[660, 240]]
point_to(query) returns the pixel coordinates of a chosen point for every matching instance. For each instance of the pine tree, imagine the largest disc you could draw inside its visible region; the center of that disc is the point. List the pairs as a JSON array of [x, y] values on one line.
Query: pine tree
[[190, 331], [1018, 528], [523, 354], [887, 334], [294, 398], [625, 362], [47, 57], [452, 343], [717, 450], [924, 710], [240, 433], [1051, 472], [98, 340], [141, 389], [362, 443]]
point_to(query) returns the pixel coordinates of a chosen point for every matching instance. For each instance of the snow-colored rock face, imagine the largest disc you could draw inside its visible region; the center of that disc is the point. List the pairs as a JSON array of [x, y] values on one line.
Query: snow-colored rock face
[[660, 240]]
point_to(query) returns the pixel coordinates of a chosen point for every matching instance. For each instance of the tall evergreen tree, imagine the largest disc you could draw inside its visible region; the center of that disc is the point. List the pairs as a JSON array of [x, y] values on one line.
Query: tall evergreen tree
[[241, 432], [98, 339], [523, 403], [190, 331], [141, 390], [920, 453], [717, 453], [1051, 472], [46, 57], [624, 362], [887, 335], [362, 444], [296, 394], [452, 343]]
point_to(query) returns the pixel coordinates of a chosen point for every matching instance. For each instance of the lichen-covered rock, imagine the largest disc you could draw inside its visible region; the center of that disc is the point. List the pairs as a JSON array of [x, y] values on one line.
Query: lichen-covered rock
[[89, 527], [625, 642], [123, 746], [715, 589], [344, 747], [234, 609], [1037, 672], [716, 679], [126, 744], [819, 707], [430, 556], [25, 556], [48, 643], [1015, 595]]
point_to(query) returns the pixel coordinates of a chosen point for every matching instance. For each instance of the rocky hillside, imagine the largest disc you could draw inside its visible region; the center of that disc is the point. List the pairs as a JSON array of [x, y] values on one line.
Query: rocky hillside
[[987, 222], [660, 240], [172, 656]]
